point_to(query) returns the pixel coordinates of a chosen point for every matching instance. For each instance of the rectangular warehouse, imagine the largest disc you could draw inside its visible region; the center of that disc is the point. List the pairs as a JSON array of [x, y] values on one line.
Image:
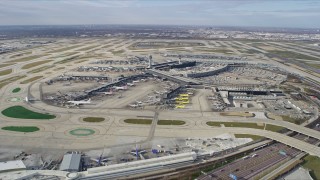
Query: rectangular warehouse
[[71, 162]]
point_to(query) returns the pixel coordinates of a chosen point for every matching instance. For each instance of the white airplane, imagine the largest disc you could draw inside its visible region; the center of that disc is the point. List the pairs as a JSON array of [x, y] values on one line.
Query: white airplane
[[120, 87], [158, 92], [108, 93], [139, 102], [130, 84], [134, 105], [139, 152], [77, 103]]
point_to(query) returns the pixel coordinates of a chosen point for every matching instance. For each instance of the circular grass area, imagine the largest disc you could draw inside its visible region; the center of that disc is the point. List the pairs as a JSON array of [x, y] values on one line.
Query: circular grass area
[[93, 119], [82, 132], [138, 121], [14, 99], [23, 113], [171, 122], [16, 90], [21, 128]]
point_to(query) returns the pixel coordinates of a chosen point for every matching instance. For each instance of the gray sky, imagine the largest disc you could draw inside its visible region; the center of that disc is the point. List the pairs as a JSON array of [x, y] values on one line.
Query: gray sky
[[270, 13]]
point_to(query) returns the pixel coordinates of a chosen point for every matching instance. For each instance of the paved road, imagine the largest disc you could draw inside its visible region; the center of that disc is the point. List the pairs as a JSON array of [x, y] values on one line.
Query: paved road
[[283, 167]]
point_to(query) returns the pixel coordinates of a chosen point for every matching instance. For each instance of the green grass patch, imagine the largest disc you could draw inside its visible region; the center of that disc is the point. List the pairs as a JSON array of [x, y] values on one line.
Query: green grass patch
[[292, 120], [314, 65], [239, 114], [23, 113], [253, 137], [138, 121], [20, 54], [65, 49], [269, 127], [59, 68], [5, 72], [159, 44], [40, 69], [66, 60], [16, 90], [171, 122], [312, 163], [31, 79], [235, 124], [219, 50], [274, 128], [31, 65], [291, 55], [82, 132], [5, 65], [21, 128], [117, 52], [10, 80], [88, 48], [93, 119], [29, 58]]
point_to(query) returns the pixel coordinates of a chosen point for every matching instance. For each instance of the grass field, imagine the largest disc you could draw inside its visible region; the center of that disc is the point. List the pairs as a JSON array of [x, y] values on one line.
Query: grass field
[[253, 137], [5, 65], [5, 72], [312, 163], [293, 120], [93, 119], [138, 121], [269, 127], [240, 114], [223, 51], [314, 65], [65, 49], [10, 80], [21, 128], [274, 128], [235, 124], [31, 79], [88, 48], [59, 68], [158, 44], [31, 65], [41, 69], [29, 58], [117, 52], [21, 54], [291, 55], [66, 60], [171, 122], [23, 113], [15, 90]]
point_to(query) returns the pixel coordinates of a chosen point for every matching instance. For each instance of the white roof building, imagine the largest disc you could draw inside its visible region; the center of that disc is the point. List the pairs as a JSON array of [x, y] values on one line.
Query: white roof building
[[11, 166]]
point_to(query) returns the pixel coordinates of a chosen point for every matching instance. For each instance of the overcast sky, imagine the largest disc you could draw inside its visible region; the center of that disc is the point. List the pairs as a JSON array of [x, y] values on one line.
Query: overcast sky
[[270, 13]]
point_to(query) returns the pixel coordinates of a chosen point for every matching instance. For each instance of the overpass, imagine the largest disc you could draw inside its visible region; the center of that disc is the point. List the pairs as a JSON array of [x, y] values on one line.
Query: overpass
[[178, 79]]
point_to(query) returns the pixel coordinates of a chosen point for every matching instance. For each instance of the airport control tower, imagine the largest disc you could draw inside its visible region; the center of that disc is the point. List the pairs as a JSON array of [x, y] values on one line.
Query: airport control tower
[[150, 61]]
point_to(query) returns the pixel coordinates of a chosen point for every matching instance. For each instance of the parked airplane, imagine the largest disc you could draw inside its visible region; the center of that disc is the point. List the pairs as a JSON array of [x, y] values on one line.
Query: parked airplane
[[134, 105], [134, 152], [130, 84], [120, 87], [139, 102], [77, 103], [108, 93]]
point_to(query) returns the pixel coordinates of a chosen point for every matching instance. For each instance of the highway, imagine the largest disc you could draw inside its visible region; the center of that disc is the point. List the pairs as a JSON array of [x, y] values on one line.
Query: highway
[[250, 167]]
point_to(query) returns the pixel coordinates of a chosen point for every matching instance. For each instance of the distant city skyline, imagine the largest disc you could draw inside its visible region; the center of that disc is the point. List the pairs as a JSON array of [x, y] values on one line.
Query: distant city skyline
[[259, 13]]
